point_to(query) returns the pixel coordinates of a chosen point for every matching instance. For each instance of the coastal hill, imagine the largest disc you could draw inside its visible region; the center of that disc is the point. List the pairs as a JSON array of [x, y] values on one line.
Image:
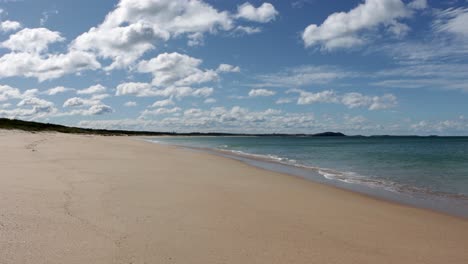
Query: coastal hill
[[15, 124]]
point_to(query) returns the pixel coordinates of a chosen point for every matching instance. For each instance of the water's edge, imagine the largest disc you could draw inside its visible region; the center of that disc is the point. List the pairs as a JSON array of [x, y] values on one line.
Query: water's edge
[[445, 205]]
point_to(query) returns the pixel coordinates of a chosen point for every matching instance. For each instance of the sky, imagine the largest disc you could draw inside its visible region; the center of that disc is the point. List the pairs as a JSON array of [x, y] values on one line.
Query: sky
[[300, 66]]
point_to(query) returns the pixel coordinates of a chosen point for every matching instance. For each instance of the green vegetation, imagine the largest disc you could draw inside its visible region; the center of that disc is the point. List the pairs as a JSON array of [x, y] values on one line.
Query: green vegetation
[[46, 127]]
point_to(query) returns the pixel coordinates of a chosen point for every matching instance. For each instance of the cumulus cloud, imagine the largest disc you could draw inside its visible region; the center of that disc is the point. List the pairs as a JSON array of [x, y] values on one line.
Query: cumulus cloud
[[175, 69], [163, 103], [159, 111], [137, 26], [247, 30], [209, 101], [123, 45], [130, 104], [98, 109], [135, 88], [263, 14], [327, 96], [342, 29], [8, 25], [261, 92], [57, 90], [302, 76], [147, 90], [351, 100], [34, 101], [234, 119], [32, 113], [227, 68], [32, 40], [45, 67], [76, 101], [29, 107], [7, 92], [87, 106], [94, 89]]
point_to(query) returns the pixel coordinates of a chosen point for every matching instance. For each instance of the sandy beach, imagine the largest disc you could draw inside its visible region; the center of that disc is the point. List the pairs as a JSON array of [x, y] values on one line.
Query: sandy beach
[[91, 199]]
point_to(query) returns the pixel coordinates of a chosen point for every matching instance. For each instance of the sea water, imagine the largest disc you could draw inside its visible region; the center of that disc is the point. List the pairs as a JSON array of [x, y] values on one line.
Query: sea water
[[429, 169]]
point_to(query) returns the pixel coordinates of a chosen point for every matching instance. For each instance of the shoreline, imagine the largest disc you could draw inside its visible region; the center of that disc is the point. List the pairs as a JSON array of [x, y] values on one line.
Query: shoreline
[[91, 199], [422, 200]]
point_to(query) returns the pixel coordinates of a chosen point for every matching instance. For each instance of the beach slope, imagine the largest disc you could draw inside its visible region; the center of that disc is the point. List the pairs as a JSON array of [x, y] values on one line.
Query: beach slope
[[92, 199]]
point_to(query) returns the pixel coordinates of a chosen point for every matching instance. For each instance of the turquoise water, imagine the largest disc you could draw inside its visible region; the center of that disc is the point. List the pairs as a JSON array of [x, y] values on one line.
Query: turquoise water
[[435, 166]]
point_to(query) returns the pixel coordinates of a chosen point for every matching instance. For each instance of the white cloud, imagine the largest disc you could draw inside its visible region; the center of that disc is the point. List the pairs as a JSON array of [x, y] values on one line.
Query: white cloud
[[235, 119], [196, 39], [431, 127], [86, 107], [45, 67], [163, 103], [34, 101], [8, 25], [227, 68], [351, 100], [6, 105], [247, 30], [32, 40], [134, 27], [327, 96], [99, 109], [130, 104], [123, 45], [418, 4], [453, 21], [261, 92], [135, 88], [8, 92], [45, 16], [342, 29], [209, 101], [57, 90], [94, 89], [137, 26], [159, 111], [175, 69], [75, 101], [29, 107], [263, 14], [32, 113], [147, 90], [302, 76], [284, 101]]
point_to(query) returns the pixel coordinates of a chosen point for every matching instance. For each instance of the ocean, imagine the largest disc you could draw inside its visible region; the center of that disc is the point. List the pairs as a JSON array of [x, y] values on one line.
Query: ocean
[[430, 172]]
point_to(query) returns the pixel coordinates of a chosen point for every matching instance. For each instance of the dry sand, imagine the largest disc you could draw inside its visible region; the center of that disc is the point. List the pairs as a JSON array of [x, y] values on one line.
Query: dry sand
[[88, 199]]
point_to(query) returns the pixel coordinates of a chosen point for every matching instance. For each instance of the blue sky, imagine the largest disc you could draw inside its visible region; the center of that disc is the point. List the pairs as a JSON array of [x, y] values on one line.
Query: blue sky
[[360, 67]]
